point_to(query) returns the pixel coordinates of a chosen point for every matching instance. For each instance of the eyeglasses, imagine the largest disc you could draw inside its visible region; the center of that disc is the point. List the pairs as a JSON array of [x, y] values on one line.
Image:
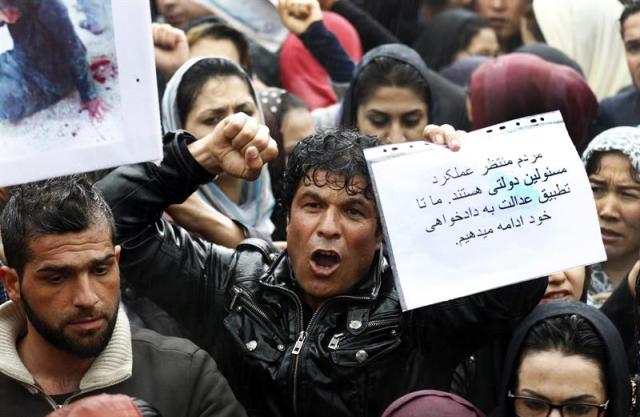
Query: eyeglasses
[[534, 407]]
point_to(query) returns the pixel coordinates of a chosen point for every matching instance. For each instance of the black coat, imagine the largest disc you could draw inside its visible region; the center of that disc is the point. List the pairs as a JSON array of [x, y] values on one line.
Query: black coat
[[351, 357]]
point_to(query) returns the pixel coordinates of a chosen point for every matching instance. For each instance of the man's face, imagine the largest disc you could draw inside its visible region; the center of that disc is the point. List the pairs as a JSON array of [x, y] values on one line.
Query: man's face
[[503, 16], [631, 38], [70, 290], [9, 14], [332, 238]]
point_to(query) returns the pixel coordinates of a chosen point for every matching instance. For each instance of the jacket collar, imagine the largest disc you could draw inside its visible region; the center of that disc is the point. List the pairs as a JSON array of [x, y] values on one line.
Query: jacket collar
[[112, 366], [280, 273]]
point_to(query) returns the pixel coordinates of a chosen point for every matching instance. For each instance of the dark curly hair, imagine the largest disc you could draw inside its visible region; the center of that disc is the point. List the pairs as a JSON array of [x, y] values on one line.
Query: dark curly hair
[[336, 151]]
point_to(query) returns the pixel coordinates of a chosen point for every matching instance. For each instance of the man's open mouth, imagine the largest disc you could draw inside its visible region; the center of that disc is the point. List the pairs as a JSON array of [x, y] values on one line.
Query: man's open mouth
[[324, 262]]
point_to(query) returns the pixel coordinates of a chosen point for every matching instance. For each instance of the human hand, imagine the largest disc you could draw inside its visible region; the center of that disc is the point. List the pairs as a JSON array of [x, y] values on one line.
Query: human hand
[[238, 146], [171, 48], [298, 15], [94, 107], [444, 135]]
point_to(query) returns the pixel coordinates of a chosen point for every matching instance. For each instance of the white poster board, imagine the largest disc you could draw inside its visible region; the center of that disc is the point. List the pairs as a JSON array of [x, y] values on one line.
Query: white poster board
[[513, 204], [60, 138]]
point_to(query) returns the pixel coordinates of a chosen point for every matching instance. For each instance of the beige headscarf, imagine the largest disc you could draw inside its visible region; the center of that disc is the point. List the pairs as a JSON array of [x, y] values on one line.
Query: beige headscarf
[[588, 31]]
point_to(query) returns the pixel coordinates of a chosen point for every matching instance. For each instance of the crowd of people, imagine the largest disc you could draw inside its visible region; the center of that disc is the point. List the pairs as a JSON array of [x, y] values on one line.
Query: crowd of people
[[247, 273]]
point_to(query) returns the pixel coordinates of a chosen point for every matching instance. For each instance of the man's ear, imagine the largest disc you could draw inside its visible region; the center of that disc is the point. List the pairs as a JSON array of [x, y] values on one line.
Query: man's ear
[[11, 283], [116, 252]]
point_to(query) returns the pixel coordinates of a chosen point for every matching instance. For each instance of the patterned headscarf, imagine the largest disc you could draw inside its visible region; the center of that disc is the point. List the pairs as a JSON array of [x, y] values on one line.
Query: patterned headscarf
[[623, 139]]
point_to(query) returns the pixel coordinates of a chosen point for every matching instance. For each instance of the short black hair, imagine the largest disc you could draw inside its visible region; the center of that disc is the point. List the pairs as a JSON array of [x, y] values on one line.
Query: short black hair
[[336, 151], [569, 335], [630, 8], [197, 76], [51, 207]]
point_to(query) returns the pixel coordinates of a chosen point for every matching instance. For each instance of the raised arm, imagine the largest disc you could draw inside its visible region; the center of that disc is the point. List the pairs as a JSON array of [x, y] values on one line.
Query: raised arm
[[184, 275]]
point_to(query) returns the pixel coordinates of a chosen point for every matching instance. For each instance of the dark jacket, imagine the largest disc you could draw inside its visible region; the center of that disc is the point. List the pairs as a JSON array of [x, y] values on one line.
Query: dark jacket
[[446, 101], [617, 374], [173, 375], [623, 109], [351, 357]]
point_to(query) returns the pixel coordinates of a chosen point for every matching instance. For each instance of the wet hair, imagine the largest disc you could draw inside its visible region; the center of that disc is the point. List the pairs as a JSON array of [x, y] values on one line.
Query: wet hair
[[569, 335], [52, 207], [338, 152], [593, 165], [221, 31], [630, 9], [389, 72], [198, 75]]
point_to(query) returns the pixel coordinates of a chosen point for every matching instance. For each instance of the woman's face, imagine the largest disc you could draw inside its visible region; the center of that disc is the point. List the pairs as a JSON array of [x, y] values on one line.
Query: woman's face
[[565, 286], [393, 114], [484, 43], [617, 196], [558, 379], [219, 98]]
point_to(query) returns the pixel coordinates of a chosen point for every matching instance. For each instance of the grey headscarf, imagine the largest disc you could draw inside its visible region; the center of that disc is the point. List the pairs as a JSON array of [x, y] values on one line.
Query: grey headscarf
[[625, 139]]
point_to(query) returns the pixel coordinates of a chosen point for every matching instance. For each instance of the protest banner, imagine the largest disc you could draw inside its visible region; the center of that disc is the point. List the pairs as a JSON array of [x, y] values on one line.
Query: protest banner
[[258, 19], [513, 204], [78, 89]]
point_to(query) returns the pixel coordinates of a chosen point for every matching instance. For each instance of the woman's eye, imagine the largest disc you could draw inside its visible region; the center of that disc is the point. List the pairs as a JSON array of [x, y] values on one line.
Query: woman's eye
[[411, 121], [211, 121], [378, 121]]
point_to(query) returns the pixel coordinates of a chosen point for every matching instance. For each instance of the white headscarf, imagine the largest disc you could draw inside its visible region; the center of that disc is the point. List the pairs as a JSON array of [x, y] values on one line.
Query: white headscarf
[[588, 32], [258, 201]]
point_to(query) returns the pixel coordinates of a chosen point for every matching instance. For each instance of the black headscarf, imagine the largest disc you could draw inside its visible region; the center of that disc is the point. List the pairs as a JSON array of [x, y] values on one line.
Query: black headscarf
[[444, 36], [446, 102], [550, 54], [617, 372]]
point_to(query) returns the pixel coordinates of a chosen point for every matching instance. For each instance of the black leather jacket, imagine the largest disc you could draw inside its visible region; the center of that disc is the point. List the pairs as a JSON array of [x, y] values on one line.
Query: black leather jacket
[[351, 357]]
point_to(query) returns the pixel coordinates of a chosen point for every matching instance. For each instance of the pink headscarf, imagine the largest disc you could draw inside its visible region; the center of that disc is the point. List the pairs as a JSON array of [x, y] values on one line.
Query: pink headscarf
[[430, 403], [519, 85], [302, 75]]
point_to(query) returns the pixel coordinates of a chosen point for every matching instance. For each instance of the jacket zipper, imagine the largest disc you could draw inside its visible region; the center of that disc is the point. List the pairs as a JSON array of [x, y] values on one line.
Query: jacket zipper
[[383, 322], [302, 337], [248, 302]]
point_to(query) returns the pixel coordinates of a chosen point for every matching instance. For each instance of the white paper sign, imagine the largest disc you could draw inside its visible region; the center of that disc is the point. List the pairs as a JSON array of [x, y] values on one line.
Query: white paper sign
[[513, 204], [45, 128]]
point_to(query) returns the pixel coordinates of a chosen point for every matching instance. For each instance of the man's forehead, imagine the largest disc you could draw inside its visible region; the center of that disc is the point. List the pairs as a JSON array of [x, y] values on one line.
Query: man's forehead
[[71, 248]]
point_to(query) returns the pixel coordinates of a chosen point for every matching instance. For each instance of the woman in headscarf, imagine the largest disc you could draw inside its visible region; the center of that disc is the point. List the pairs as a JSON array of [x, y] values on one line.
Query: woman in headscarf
[[565, 358], [588, 32], [455, 34], [201, 94], [430, 403], [519, 85], [393, 95], [612, 161]]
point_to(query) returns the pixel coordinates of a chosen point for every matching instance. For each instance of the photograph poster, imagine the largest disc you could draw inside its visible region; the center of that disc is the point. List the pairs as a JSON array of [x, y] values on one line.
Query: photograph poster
[[77, 87]]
